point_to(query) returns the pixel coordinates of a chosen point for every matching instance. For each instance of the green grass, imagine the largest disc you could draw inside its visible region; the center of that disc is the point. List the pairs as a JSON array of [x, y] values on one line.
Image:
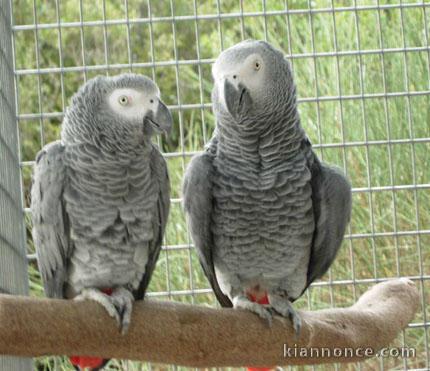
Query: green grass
[[326, 122]]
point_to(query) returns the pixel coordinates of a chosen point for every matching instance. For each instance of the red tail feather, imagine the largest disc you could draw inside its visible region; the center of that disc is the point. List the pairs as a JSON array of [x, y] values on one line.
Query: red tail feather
[[83, 362]]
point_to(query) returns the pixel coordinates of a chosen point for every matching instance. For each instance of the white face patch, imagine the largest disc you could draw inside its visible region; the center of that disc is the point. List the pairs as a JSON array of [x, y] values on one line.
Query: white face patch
[[133, 104], [249, 73]]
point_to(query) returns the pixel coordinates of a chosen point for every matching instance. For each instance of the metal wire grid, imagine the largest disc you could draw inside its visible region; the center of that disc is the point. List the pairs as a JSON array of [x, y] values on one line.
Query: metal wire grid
[[309, 10], [13, 267]]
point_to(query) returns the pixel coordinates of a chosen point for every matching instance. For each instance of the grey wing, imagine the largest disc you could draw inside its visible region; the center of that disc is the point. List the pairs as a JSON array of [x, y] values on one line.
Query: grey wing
[[331, 200], [197, 193], [161, 213], [50, 222]]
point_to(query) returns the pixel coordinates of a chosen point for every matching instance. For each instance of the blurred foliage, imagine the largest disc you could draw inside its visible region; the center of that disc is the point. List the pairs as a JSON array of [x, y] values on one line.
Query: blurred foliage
[[378, 128]]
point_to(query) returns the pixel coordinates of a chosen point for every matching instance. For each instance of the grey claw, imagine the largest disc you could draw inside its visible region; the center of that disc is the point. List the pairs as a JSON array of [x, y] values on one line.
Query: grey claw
[[267, 316], [123, 301], [283, 307], [297, 323]]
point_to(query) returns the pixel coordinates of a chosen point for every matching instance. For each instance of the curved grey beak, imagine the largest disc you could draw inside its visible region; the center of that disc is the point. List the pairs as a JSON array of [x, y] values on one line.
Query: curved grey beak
[[161, 120], [237, 100]]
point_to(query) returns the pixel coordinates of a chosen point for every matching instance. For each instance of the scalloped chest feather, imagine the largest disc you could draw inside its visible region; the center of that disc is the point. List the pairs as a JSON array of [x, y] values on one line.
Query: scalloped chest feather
[[263, 218], [110, 200]]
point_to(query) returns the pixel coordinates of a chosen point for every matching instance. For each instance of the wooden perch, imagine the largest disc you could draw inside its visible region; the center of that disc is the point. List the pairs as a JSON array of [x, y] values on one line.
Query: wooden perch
[[197, 336]]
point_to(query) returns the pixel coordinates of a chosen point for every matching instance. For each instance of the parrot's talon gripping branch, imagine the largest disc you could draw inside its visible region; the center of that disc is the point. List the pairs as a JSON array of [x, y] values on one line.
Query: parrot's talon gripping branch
[[104, 300], [242, 302], [284, 307], [123, 301], [118, 305], [170, 333]]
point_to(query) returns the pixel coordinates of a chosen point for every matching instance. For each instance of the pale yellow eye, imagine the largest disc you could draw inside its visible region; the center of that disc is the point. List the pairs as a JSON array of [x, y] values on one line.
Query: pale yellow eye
[[123, 100], [257, 65]]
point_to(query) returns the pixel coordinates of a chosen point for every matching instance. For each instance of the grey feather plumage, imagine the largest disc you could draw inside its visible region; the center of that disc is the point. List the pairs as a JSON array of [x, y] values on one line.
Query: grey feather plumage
[[264, 212], [51, 232], [100, 196], [198, 201]]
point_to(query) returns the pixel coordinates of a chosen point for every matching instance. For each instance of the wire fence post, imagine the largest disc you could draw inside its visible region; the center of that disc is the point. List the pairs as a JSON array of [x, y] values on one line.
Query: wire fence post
[[13, 261]]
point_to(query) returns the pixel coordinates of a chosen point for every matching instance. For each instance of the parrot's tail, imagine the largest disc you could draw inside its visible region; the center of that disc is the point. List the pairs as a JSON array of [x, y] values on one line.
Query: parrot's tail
[[263, 301], [90, 363], [81, 363]]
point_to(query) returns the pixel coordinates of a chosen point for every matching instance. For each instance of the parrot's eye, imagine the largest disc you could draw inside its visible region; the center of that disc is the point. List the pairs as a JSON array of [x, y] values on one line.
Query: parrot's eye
[[123, 100], [257, 65], [151, 101]]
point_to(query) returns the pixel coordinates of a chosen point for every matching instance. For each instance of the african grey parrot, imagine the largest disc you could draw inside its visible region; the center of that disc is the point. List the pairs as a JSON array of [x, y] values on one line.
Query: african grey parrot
[[266, 215], [100, 195]]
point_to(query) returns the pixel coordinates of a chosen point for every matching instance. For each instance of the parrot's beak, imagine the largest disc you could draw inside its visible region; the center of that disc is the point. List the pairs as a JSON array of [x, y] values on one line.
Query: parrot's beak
[[237, 100], [161, 120]]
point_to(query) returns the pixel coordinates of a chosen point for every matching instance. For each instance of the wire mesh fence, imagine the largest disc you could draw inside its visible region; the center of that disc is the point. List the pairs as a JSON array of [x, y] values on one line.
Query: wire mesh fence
[[13, 262], [362, 73]]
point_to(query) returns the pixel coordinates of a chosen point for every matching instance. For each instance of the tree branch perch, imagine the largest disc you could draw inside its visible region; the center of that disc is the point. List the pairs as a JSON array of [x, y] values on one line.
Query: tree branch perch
[[197, 336]]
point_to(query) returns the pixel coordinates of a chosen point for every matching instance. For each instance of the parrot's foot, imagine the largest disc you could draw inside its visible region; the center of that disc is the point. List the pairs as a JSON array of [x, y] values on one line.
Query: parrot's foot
[[123, 301], [242, 302], [284, 307], [118, 305], [102, 299]]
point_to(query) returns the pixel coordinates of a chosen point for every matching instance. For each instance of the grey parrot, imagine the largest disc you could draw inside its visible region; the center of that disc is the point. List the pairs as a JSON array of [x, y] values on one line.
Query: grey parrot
[[100, 195], [266, 215]]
